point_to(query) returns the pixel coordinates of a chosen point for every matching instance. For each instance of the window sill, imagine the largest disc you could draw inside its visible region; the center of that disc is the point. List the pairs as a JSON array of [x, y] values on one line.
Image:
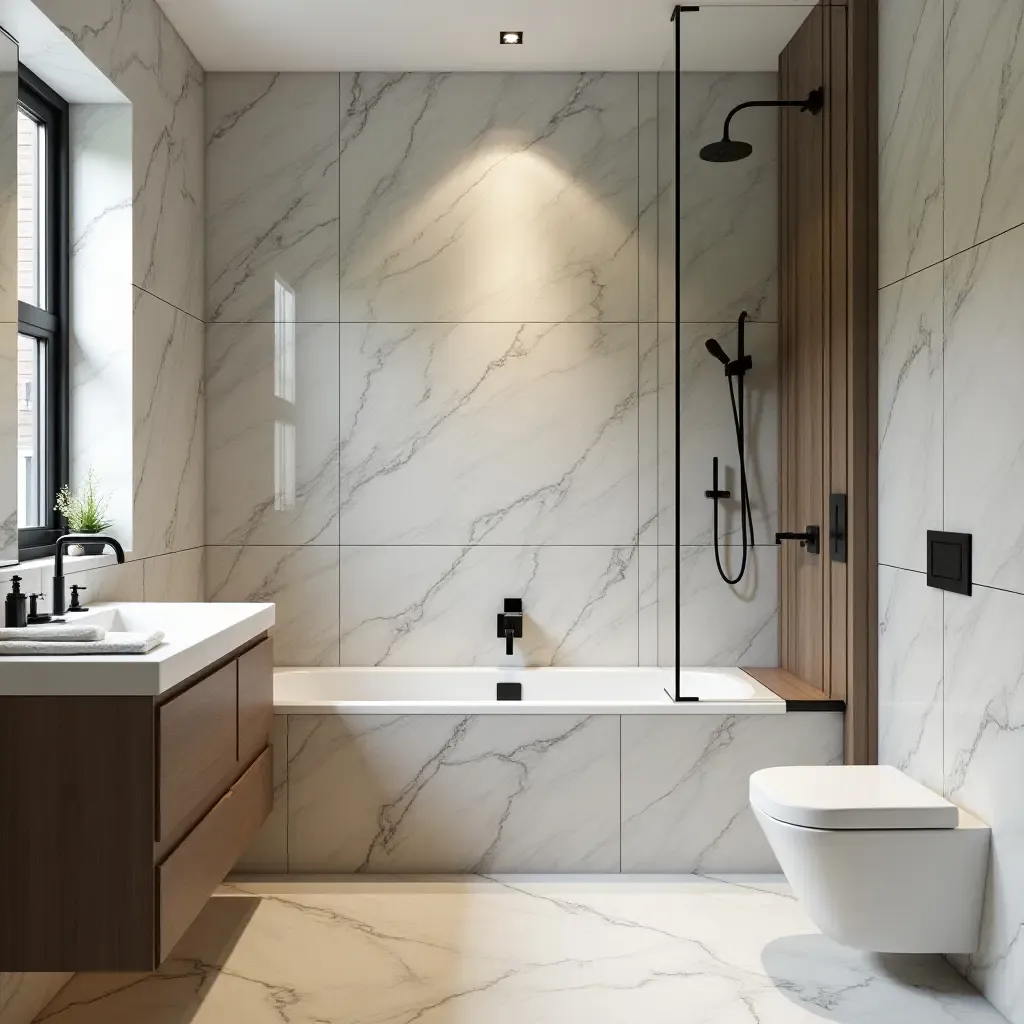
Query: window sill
[[45, 565]]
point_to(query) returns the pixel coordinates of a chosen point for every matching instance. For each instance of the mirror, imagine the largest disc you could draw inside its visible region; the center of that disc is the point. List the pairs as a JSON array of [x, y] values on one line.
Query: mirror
[[13, 419]]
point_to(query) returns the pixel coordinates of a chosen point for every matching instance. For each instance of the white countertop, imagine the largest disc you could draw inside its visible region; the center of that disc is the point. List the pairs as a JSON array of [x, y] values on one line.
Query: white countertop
[[197, 635]]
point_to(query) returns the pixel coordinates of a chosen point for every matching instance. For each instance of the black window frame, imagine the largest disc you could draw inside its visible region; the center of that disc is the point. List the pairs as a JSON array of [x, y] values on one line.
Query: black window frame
[[51, 324]]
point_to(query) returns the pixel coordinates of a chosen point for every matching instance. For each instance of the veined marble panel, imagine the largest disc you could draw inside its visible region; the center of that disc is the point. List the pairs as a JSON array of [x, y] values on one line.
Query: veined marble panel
[[9, 283], [272, 421], [910, 399], [650, 198], [511, 950], [910, 698], [499, 197], [268, 852], [273, 194], [708, 430], [984, 764], [302, 581], [135, 46], [685, 786], [488, 433], [984, 367], [729, 256], [910, 137], [8, 443], [984, 119], [107, 583], [168, 435], [720, 624], [649, 417], [444, 793], [177, 577], [23, 996], [425, 605]]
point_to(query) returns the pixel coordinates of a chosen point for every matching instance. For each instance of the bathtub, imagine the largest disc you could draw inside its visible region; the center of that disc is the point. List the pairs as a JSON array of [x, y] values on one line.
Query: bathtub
[[469, 691], [413, 770]]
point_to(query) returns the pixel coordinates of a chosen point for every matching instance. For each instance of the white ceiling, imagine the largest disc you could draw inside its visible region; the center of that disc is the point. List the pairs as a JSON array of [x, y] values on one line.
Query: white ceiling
[[462, 35]]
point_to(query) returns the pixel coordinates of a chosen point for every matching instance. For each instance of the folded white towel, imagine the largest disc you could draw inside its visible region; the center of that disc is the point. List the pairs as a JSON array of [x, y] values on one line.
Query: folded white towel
[[114, 643], [54, 634]]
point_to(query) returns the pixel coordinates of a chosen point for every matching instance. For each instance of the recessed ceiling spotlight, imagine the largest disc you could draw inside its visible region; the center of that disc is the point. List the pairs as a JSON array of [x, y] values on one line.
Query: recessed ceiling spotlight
[[511, 38]]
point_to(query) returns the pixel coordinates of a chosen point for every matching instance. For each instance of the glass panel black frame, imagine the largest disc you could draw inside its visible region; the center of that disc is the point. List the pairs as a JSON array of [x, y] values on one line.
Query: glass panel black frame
[[50, 325]]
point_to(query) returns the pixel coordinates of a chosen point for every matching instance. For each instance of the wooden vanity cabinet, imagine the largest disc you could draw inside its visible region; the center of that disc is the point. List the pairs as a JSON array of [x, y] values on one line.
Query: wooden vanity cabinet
[[119, 816]]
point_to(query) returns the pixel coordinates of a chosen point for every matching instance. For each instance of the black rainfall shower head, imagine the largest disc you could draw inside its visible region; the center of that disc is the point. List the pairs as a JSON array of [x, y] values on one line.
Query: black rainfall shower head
[[717, 351], [726, 151]]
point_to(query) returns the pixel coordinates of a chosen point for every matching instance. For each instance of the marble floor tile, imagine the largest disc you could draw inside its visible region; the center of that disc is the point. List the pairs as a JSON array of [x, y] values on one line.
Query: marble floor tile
[[983, 370], [437, 166], [448, 793], [272, 427], [910, 403], [984, 119], [910, 137], [512, 950], [424, 606], [686, 792], [488, 434], [272, 222], [984, 765], [910, 694], [302, 582]]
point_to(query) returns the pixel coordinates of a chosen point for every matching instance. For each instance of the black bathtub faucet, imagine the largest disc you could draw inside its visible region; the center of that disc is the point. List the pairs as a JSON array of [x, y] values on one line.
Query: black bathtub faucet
[[510, 622]]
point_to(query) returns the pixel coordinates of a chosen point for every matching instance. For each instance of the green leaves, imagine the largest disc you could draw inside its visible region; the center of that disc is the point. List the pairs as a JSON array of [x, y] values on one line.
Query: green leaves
[[86, 509]]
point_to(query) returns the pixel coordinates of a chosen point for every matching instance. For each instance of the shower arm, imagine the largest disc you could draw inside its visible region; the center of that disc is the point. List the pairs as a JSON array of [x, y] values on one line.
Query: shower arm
[[813, 104]]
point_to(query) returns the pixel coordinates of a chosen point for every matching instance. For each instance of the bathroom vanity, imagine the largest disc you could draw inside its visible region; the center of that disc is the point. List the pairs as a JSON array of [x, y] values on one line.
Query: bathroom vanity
[[132, 785]]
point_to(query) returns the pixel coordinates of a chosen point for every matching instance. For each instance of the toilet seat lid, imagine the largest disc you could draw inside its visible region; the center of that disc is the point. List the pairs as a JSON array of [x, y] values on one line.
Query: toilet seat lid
[[849, 797]]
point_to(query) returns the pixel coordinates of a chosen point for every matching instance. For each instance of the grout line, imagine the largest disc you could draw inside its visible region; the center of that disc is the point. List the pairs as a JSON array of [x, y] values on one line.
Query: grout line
[[167, 302], [485, 323], [601, 545]]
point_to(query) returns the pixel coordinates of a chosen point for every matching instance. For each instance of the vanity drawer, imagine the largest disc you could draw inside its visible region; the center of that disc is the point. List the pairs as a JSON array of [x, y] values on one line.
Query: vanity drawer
[[255, 699], [198, 747], [205, 856]]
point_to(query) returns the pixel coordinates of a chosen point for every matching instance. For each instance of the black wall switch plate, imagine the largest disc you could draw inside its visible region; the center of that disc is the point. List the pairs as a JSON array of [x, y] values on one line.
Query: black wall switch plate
[[510, 691], [950, 557]]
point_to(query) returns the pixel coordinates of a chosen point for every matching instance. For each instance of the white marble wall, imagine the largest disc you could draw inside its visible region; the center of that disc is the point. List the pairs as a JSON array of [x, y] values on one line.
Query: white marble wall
[[134, 45], [526, 793], [951, 679], [8, 301], [479, 384]]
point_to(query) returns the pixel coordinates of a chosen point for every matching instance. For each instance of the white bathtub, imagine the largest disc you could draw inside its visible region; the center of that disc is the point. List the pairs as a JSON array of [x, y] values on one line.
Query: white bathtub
[[473, 691]]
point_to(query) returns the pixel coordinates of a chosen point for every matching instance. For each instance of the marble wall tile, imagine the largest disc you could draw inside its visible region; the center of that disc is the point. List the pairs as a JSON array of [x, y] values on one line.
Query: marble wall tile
[[708, 430], [9, 180], [107, 583], [268, 852], [910, 137], [272, 218], [984, 763], [437, 167], [650, 198], [729, 212], [649, 422], [984, 367], [444, 793], [135, 46], [169, 424], [910, 417], [685, 786], [302, 581], [720, 624], [272, 421], [425, 605], [488, 433], [910, 696], [9, 442], [984, 119], [177, 577]]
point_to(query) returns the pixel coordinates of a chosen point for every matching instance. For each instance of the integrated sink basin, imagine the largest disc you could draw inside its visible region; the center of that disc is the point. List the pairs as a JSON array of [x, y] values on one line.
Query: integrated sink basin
[[196, 636]]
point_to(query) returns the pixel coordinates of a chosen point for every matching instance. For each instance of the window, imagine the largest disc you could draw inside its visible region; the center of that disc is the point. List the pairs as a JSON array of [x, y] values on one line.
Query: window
[[42, 311]]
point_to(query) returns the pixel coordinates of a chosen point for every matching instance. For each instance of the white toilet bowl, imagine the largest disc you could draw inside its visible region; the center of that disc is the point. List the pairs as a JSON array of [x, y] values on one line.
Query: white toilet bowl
[[880, 862]]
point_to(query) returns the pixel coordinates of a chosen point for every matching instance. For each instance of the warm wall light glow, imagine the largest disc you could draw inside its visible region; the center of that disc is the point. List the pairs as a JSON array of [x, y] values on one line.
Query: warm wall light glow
[[511, 38]]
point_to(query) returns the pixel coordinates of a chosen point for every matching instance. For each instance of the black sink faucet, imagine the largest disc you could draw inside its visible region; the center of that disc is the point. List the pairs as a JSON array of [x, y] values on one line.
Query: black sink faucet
[[510, 622], [58, 561]]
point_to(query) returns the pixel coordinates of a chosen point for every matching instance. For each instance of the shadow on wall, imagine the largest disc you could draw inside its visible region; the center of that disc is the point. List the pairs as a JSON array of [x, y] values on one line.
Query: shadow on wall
[[841, 976]]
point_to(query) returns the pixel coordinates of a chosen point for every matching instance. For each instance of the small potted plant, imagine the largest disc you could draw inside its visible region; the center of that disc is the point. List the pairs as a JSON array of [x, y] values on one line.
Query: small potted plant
[[85, 511]]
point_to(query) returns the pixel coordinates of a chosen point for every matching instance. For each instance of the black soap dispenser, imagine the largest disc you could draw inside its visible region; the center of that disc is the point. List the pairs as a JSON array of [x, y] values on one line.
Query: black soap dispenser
[[16, 606]]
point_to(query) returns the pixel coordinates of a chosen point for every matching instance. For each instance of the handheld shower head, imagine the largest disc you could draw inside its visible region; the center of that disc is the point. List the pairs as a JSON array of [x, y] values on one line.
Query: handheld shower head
[[717, 351]]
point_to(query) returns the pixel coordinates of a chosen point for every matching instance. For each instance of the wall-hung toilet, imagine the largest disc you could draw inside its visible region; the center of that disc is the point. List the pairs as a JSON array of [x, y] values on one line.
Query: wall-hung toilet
[[880, 862]]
